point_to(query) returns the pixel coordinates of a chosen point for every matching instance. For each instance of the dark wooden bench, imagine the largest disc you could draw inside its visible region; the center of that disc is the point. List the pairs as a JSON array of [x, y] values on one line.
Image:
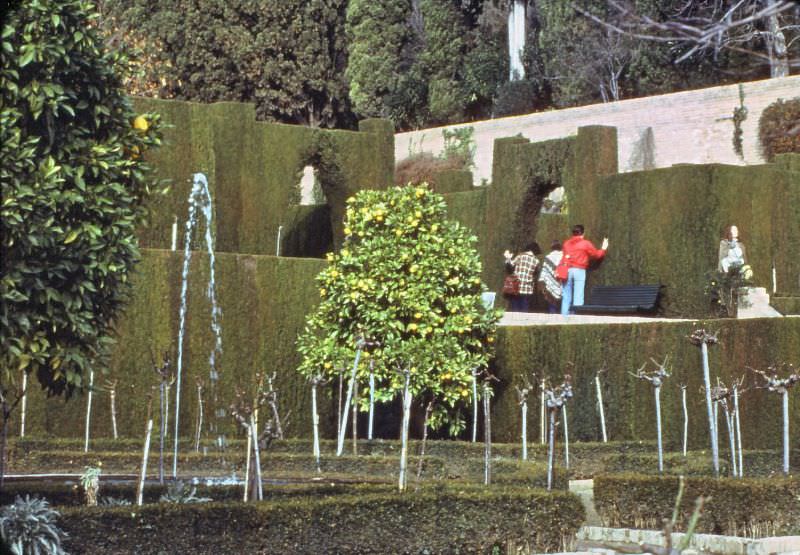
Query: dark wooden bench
[[620, 299]]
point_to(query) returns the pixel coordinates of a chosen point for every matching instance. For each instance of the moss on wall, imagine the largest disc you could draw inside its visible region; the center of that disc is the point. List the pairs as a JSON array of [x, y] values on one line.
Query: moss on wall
[[263, 300], [253, 170], [581, 350]]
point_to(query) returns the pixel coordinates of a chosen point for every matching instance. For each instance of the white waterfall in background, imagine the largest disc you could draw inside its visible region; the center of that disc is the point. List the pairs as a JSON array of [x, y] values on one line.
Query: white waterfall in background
[[516, 39], [199, 202]]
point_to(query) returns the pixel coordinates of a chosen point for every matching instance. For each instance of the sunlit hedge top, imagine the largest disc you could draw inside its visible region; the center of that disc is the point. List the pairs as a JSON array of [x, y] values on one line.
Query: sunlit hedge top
[[407, 280]]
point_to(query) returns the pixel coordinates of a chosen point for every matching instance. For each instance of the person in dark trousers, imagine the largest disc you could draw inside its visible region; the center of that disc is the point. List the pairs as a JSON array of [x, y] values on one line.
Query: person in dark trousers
[[525, 265], [579, 252]]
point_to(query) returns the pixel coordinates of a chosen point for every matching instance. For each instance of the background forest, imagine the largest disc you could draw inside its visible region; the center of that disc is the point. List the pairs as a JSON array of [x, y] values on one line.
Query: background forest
[[422, 63]]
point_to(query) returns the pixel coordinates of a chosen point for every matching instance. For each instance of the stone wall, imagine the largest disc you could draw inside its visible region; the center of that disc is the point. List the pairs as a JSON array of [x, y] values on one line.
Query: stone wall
[[691, 127]]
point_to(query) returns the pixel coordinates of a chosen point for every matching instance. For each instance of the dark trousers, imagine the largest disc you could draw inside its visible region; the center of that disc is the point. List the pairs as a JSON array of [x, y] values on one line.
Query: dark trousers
[[521, 303]]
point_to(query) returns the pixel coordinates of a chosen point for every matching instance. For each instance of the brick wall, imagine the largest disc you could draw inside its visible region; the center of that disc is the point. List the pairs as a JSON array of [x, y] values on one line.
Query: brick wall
[[694, 127]]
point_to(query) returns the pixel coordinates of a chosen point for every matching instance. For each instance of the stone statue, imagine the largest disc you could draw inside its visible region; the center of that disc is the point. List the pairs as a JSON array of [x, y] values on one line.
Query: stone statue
[[731, 251]]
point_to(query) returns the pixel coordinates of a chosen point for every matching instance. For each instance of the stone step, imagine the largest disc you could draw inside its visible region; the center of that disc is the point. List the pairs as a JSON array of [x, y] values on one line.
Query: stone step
[[754, 303], [625, 540]]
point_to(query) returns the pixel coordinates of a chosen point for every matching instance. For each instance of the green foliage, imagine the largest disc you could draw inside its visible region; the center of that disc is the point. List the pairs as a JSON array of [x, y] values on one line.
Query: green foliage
[[459, 143], [376, 34], [362, 519], [73, 190], [778, 128], [28, 527], [517, 97], [723, 289], [288, 57], [409, 280], [425, 168], [181, 493], [633, 500]]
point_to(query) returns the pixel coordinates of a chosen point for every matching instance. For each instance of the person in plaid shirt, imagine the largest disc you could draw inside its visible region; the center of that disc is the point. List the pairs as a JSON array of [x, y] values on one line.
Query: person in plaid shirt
[[525, 265]]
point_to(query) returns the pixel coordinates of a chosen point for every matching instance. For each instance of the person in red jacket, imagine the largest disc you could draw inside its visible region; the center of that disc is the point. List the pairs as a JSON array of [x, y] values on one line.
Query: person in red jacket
[[578, 252]]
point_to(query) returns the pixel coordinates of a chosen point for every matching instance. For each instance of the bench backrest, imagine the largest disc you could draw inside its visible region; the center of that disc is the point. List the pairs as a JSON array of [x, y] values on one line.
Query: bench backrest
[[643, 296]]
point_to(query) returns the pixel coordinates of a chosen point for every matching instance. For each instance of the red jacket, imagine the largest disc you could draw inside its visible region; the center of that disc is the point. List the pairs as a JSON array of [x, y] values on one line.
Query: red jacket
[[580, 251]]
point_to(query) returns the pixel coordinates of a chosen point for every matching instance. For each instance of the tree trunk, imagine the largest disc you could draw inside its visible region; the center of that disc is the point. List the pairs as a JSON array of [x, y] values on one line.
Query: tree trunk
[[161, 432], [145, 455], [88, 412], [551, 448], [776, 44], [404, 434], [710, 409], [658, 429], [428, 411], [3, 444], [315, 422], [487, 436]]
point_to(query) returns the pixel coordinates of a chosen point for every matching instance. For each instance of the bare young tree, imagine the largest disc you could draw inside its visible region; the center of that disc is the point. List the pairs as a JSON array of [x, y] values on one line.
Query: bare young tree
[[656, 379], [763, 30], [775, 384]]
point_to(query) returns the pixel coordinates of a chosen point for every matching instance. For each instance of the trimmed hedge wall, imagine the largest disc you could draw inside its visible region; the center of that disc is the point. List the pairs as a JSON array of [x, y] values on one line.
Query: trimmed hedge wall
[[263, 300], [786, 305], [523, 174], [736, 506], [435, 520], [453, 181], [581, 350], [665, 226], [254, 170]]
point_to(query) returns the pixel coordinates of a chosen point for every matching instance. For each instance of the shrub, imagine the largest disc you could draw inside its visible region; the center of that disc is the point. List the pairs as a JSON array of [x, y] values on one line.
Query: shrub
[[424, 168], [734, 506], [779, 128], [516, 97], [367, 519], [28, 527]]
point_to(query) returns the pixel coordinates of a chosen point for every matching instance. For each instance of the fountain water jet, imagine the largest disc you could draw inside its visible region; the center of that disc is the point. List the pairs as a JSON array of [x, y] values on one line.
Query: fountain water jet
[[199, 203]]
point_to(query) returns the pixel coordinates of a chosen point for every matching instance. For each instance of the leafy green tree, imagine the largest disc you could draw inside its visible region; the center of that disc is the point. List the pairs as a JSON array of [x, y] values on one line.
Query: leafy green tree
[[285, 56], [443, 59], [73, 191], [377, 32], [406, 280]]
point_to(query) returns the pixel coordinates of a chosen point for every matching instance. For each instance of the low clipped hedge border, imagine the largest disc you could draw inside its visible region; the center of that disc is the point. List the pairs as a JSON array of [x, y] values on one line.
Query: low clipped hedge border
[[435, 520], [761, 463], [735, 506], [303, 467]]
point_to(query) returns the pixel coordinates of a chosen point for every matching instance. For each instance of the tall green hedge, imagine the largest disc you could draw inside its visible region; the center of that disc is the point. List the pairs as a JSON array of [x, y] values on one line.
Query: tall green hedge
[[582, 350], [263, 301], [665, 226], [523, 174], [254, 171]]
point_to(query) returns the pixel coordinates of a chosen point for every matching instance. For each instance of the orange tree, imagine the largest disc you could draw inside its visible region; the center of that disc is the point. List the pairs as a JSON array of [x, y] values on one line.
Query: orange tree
[[407, 281], [73, 191]]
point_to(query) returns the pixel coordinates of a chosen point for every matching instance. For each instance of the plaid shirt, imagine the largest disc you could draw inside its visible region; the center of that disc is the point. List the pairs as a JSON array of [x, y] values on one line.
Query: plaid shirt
[[525, 265]]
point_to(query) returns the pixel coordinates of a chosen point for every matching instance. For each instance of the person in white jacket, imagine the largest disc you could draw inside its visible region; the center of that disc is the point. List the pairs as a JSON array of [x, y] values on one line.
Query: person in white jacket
[[549, 286]]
